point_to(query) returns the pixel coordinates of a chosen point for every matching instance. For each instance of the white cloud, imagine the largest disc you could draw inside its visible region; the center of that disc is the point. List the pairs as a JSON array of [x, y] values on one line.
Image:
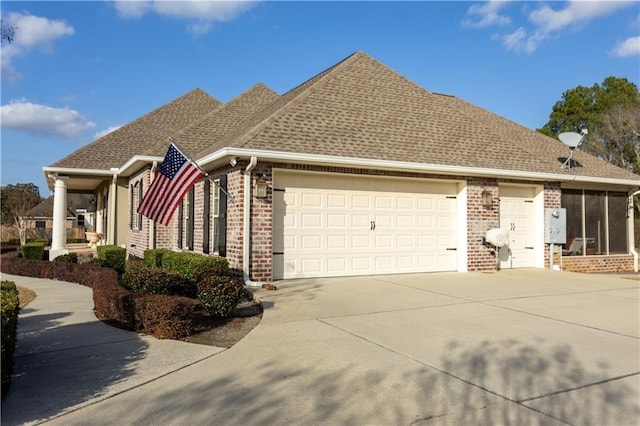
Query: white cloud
[[43, 120], [105, 132], [204, 13], [487, 15], [629, 47], [32, 33], [544, 21]]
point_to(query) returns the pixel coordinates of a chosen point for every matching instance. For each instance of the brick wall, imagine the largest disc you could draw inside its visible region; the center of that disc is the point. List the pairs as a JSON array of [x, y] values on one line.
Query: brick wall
[[611, 263], [479, 220]]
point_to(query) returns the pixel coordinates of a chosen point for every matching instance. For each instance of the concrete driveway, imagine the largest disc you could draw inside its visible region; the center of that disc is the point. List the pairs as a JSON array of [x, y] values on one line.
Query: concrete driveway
[[514, 347]]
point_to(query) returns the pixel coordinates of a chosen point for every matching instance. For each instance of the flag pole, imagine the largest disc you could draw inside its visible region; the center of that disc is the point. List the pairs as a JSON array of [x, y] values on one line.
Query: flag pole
[[172, 141]]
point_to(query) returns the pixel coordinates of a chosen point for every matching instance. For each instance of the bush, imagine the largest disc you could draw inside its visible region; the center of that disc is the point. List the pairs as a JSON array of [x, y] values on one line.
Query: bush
[[163, 316], [76, 240], [220, 295], [97, 262], [69, 258], [140, 278], [43, 241], [153, 257], [190, 264], [10, 303], [114, 256], [33, 251]]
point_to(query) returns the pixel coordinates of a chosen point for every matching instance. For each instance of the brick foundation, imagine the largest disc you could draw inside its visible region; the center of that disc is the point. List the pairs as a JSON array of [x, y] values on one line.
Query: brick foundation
[[611, 263]]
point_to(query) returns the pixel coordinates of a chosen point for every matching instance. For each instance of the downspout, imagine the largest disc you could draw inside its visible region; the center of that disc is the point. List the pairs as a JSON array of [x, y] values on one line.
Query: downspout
[[246, 225], [152, 224], [631, 232]]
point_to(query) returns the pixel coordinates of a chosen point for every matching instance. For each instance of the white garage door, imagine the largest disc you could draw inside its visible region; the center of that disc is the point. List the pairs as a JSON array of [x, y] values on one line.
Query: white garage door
[[338, 225], [517, 216]]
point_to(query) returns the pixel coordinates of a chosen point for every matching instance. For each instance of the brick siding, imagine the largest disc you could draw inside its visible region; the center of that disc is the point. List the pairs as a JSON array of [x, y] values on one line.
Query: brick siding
[[479, 220]]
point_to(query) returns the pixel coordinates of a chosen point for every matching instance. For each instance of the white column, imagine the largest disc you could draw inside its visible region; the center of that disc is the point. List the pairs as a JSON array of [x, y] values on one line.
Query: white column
[[59, 236]]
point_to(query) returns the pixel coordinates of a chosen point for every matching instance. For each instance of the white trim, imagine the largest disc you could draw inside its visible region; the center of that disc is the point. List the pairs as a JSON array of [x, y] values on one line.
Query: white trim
[[463, 229], [405, 166], [139, 159]]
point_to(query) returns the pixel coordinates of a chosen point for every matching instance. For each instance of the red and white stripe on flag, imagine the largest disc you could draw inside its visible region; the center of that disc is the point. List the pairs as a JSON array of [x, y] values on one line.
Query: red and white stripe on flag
[[174, 178]]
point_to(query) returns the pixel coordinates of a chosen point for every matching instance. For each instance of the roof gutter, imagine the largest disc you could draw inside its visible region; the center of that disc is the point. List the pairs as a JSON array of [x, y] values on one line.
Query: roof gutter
[[407, 166]]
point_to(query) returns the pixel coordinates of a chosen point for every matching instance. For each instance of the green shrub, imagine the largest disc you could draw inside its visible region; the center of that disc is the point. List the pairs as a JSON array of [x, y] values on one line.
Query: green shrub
[[10, 303], [69, 258], [76, 240], [190, 264], [140, 278], [98, 262], [43, 241], [220, 295], [114, 256], [33, 251], [153, 257]]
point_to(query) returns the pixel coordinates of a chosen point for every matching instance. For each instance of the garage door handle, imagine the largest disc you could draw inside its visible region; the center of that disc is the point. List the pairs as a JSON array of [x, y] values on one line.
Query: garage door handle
[[451, 249], [529, 248], [373, 225]]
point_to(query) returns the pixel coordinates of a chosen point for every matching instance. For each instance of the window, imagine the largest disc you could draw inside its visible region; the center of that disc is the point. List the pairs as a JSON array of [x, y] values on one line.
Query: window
[[206, 216], [596, 222], [41, 225], [180, 223], [139, 200], [80, 221], [135, 218], [190, 213], [214, 220]]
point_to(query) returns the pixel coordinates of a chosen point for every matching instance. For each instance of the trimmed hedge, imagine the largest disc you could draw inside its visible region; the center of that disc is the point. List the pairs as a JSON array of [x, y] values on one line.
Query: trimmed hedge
[[33, 251], [10, 303], [153, 257], [69, 258], [220, 295], [115, 257], [113, 303], [190, 264], [140, 278]]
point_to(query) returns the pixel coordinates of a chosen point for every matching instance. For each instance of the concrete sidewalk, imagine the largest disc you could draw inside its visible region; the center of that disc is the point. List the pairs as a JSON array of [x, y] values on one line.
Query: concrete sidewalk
[[66, 359], [515, 347]]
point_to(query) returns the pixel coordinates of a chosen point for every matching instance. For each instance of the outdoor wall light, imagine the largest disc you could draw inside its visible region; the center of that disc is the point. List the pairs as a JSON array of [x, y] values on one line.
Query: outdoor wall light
[[233, 161], [487, 199], [261, 187]]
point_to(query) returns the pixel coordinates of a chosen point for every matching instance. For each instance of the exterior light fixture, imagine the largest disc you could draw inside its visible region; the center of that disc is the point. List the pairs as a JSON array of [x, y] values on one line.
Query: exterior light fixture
[[487, 199], [261, 187], [233, 161]]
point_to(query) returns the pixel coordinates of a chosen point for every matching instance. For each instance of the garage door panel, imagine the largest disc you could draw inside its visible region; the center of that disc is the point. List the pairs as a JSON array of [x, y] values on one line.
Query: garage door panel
[[517, 217], [351, 225]]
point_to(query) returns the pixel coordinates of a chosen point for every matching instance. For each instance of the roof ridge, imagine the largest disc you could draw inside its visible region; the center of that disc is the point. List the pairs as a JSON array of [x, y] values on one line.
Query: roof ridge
[[287, 101]]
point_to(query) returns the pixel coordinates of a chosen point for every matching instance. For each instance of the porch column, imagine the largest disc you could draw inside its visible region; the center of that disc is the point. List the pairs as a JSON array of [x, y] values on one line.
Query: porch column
[[59, 232]]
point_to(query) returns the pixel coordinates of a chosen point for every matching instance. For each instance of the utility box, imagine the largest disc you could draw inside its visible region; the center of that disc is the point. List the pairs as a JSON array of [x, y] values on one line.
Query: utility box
[[555, 226]]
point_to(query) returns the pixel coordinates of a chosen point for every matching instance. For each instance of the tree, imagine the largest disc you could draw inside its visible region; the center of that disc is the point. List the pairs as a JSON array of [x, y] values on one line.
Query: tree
[[610, 112], [7, 31], [16, 201]]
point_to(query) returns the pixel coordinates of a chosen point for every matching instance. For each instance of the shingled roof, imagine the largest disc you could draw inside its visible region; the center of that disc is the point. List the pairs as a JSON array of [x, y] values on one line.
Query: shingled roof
[[145, 136], [358, 109], [362, 109]]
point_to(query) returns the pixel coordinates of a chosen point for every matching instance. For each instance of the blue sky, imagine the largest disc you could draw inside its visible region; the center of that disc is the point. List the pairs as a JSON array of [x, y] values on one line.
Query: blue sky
[[78, 69]]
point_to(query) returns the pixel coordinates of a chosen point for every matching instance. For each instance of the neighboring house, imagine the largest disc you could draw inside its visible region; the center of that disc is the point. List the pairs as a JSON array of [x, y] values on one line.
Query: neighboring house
[[365, 173], [80, 216]]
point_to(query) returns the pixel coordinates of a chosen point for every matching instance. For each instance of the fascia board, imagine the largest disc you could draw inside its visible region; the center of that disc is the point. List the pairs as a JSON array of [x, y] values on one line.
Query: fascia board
[[407, 166]]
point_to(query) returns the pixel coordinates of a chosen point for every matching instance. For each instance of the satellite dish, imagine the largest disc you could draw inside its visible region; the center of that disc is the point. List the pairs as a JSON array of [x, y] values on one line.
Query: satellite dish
[[571, 139], [497, 237]]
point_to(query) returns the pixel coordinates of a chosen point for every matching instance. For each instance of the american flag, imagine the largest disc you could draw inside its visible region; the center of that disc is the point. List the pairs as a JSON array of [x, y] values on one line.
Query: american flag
[[173, 179]]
